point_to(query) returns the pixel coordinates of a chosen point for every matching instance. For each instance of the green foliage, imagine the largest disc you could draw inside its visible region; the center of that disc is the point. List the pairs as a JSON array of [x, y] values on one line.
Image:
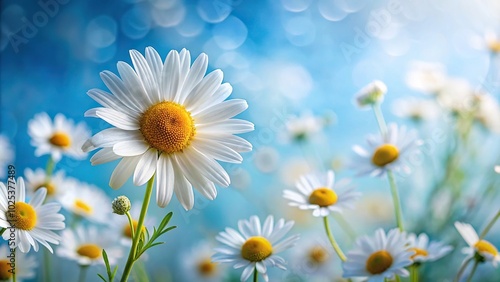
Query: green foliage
[[111, 275]]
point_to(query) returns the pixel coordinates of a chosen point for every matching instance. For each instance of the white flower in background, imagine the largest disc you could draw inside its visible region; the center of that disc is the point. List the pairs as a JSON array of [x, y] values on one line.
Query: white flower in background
[[484, 248], [303, 127], [87, 201], [293, 169], [266, 159], [171, 121], [198, 265], [255, 246], [25, 265], [488, 112], [56, 186], [85, 244], [497, 169], [6, 155], [313, 257], [426, 77], [425, 250], [58, 138], [456, 96], [371, 94], [34, 221], [380, 257], [492, 42], [389, 152], [416, 109], [318, 193]]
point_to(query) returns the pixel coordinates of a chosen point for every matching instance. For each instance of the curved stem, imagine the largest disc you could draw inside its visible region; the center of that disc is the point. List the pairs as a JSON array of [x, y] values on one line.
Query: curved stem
[[131, 223], [462, 269], [490, 224], [476, 263], [255, 275], [133, 250], [395, 199], [83, 272], [332, 240]]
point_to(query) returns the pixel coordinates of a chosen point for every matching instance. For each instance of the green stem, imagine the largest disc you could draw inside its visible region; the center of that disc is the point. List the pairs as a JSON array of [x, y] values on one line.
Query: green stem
[[255, 275], [380, 119], [49, 169], [83, 272], [2, 231], [462, 269], [332, 240], [131, 223], [414, 273], [476, 263], [490, 225], [395, 199], [46, 266], [133, 250]]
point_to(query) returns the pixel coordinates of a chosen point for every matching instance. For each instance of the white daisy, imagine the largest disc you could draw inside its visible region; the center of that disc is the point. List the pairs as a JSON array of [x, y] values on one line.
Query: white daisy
[[485, 249], [85, 244], [170, 121], [87, 201], [29, 223], [389, 152], [318, 193], [24, 265], [313, 257], [425, 250], [429, 78], [456, 96], [61, 137], [198, 265], [371, 94], [56, 185], [255, 246], [380, 257], [416, 109], [492, 42], [488, 112], [301, 128], [6, 155]]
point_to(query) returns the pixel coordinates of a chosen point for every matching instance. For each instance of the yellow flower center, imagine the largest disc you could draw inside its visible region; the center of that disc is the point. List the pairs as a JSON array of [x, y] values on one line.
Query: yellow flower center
[[483, 246], [167, 127], [256, 249], [385, 154], [378, 262], [82, 206], [127, 232], [4, 270], [419, 252], [92, 251], [60, 139], [318, 255], [23, 216], [207, 268], [51, 188], [323, 197], [494, 46]]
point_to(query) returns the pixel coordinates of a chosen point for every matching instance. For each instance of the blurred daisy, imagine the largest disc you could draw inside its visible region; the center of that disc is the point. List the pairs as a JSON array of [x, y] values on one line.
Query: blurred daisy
[[170, 121], [87, 201], [429, 78], [313, 258], [497, 168], [61, 137], [198, 264], [425, 250], [6, 155], [24, 265], [56, 185], [85, 245], [380, 257], [318, 193], [255, 246], [492, 42], [371, 94], [488, 112], [301, 128], [416, 109], [389, 152], [33, 221], [456, 96], [485, 249]]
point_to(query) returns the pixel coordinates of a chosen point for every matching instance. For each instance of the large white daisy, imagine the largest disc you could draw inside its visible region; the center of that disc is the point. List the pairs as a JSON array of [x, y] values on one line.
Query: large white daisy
[[380, 257], [318, 193], [484, 248], [255, 246], [389, 152], [172, 120], [6, 155], [24, 265], [425, 250], [61, 137], [29, 223], [56, 185]]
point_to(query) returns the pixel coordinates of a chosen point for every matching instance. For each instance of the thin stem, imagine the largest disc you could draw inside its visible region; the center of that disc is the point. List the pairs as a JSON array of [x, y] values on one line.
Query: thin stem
[[46, 266], [476, 263], [462, 269], [380, 119], [414, 273], [133, 250], [131, 223], [490, 225], [395, 199], [332, 240], [83, 272], [255, 275], [49, 169]]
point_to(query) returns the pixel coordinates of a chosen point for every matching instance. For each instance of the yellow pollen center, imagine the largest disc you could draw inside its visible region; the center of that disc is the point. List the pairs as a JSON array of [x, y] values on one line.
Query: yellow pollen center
[[23, 216], [385, 154], [495, 46], [483, 246], [256, 249], [4, 270], [51, 188], [92, 251], [83, 207], [167, 127], [127, 232], [323, 197], [207, 268], [378, 262], [60, 139], [419, 252], [318, 255]]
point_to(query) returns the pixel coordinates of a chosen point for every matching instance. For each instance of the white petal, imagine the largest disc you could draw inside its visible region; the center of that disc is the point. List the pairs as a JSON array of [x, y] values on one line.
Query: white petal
[[222, 111], [103, 156], [145, 74], [164, 181], [123, 171], [137, 93], [183, 189], [196, 73], [146, 167], [169, 82], [204, 90], [118, 119], [130, 148]]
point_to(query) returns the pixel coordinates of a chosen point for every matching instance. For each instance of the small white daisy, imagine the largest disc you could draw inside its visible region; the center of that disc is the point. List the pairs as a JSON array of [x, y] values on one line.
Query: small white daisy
[[313, 257], [24, 264], [56, 185], [85, 244], [429, 78], [318, 193], [198, 265], [371, 94], [389, 152], [30, 222], [303, 127], [485, 249], [6, 155], [416, 109], [380, 257], [255, 246], [58, 138], [170, 121], [425, 250], [457, 96], [87, 201], [488, 112]]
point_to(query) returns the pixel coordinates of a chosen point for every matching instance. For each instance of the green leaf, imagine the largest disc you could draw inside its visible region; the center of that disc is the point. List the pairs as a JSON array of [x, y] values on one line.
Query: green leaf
[[102, 277], [157, 232]]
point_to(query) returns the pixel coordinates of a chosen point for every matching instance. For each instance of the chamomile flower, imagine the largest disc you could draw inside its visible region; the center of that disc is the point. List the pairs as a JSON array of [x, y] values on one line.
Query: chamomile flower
[[303, 127], [255, 246], [486, 250], [198, 265], [492, 42], [56, 185], [58, 138], [371, 94], [24, 264], [425, 250], [85, 244], [318, 193], [416, 109], [389, 152], [87, 201], [313, 257], [6, 155], [488, 112], [170, 121], [30, 222], [380, 257], [429, 78]]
